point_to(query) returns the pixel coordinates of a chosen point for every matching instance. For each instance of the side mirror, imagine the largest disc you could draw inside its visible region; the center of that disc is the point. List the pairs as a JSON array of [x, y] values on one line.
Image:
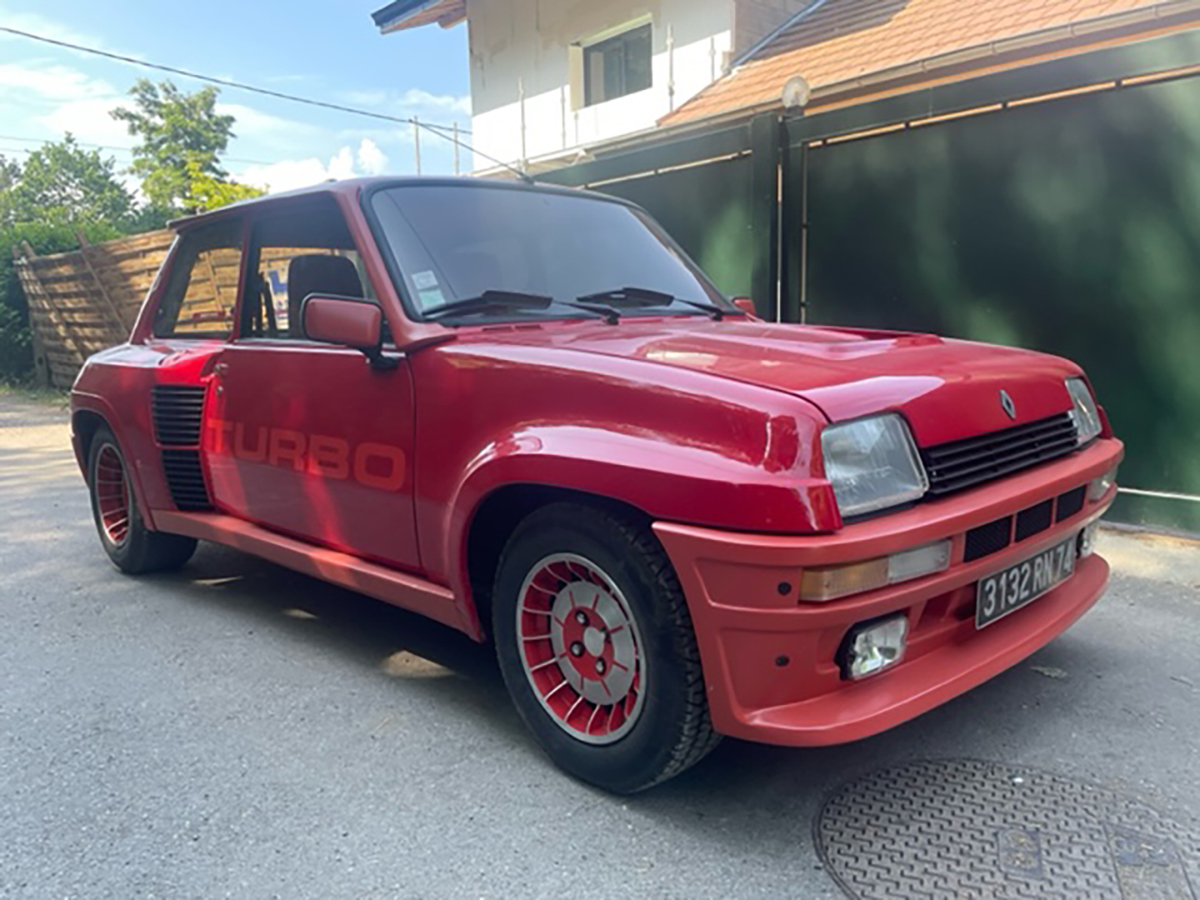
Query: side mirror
[[348, 321], [746, 305]]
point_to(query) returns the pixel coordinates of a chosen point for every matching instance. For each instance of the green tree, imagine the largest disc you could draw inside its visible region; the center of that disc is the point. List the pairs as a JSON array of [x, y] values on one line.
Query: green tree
[[205, 192], [61, 183], [181, 139], [10, 172]]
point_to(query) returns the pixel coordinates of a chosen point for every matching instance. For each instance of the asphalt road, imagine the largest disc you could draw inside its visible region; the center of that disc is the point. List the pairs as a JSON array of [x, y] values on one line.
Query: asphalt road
[[236, 730]]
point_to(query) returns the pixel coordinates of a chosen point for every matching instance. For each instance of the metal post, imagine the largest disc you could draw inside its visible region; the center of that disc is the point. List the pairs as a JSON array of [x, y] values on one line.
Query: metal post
[[765, 153], [417, 141], [457, 168], [521, 96], [671, 67], [793, 232]]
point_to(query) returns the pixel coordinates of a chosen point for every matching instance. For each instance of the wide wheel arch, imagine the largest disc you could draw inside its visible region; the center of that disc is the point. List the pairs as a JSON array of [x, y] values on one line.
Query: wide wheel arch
[[499, 514], [84, 425]]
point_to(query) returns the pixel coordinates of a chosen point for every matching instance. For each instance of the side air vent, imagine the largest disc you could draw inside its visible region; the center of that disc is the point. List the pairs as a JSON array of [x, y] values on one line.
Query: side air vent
[[186, 480], [178, 409]]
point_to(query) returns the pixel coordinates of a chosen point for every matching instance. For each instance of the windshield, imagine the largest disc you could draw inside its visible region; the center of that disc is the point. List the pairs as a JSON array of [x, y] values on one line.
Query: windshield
[[455, 243]]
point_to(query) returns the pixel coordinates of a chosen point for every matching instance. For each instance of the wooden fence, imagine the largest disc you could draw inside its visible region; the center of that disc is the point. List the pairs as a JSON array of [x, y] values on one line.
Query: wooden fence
[[83, 301]]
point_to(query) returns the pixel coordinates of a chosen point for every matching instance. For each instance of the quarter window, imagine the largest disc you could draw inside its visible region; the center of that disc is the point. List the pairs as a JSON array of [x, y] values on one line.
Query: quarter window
[[618, 66], [201, 292]]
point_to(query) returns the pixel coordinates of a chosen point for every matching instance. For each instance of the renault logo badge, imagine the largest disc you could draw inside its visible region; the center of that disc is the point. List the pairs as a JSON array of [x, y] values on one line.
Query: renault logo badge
[[1006, 403]]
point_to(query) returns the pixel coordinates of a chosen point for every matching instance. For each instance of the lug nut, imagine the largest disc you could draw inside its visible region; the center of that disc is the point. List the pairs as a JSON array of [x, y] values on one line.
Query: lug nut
[[599, 667], [577, 649], [581, 617]]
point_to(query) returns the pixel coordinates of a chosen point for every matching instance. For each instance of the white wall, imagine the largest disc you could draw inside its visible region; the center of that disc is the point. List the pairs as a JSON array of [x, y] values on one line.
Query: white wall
[[529, 41]]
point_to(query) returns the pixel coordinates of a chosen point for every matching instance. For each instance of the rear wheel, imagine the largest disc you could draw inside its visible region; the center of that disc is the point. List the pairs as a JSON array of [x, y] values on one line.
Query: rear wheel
[[597, 649], [131, 546]]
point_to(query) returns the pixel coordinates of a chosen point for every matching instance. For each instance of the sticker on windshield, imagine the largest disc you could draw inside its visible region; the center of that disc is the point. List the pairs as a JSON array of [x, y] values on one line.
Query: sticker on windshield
[[425, 281], [430, 299]]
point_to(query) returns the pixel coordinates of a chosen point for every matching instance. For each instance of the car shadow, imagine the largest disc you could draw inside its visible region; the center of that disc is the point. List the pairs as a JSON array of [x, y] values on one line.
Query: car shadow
[[419, 654], [730, 796]]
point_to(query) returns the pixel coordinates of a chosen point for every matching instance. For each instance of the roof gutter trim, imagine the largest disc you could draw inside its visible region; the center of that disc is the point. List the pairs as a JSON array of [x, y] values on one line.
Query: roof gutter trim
[[396, 12]]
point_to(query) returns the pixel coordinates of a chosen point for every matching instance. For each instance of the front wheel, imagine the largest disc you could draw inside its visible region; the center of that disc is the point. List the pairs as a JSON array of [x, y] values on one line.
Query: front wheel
[[597, 650], [132, 547]]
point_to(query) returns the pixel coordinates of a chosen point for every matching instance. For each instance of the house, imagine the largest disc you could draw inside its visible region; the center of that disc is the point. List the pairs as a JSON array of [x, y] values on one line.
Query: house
[[1014, 171], [551, 80]]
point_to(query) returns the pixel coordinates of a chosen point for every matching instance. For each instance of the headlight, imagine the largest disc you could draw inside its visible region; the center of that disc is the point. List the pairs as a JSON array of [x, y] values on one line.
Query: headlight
[[872, 464], [1085, 413]]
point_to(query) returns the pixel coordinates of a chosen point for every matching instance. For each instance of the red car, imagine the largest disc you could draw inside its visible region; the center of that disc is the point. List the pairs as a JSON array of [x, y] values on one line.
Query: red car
[[524, 412]]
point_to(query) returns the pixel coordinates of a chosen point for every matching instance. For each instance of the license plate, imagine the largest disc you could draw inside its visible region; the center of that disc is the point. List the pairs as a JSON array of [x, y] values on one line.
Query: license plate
[[1008, 590]]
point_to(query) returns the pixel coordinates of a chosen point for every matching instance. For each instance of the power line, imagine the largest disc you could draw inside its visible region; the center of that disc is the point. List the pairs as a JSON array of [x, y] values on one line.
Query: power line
[[439, 130], [223, 81]]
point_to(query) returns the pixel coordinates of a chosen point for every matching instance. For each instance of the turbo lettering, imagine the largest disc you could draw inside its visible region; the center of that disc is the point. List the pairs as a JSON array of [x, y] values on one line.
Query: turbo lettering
[[379, 466]]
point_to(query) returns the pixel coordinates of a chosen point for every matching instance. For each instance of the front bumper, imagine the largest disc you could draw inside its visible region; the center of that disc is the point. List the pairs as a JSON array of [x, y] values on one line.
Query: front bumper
[[770, 661]]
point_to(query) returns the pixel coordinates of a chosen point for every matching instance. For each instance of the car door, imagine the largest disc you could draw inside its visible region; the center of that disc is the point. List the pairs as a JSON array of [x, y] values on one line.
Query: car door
[[305, 438]]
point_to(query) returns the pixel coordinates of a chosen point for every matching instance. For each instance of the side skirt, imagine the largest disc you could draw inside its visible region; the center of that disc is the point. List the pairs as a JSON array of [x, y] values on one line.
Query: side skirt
[[398, 589]]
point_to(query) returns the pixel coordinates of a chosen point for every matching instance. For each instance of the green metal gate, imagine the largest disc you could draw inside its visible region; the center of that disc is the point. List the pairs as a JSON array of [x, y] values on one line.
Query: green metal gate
[[1055, 207]]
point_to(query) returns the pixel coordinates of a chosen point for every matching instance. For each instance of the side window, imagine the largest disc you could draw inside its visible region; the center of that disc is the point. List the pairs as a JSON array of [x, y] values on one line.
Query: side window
[[618, 66], [307, 250], [201, 293]]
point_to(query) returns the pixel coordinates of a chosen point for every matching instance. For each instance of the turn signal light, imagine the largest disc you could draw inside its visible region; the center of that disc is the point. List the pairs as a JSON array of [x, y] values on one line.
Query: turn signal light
[[820, 585], [1100, 486]]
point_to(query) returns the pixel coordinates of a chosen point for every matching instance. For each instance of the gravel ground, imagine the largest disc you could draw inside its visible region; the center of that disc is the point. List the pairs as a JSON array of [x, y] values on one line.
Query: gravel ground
[[237, 730]]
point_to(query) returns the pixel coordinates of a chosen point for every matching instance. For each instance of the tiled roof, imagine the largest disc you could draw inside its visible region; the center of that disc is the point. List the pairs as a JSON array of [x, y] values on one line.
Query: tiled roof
[[404, 14], [843, 40]]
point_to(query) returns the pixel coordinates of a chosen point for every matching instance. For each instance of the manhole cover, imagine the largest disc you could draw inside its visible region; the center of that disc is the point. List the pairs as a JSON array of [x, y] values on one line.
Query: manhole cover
[[964, 828]]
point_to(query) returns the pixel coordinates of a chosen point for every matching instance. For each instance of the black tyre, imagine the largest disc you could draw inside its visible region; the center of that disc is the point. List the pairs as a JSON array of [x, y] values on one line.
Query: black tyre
[[131, 546], [597, 650]]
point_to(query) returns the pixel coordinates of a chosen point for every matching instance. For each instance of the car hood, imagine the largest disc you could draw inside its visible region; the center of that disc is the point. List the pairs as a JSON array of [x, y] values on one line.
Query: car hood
[[947, 389]]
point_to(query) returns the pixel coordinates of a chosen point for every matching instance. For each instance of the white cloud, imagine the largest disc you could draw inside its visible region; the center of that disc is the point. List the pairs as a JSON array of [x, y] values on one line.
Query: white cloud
[[252, 123], [51, 81], [89, 121], [40, 25], [418, 98], [413, 101], [371, 159], [289, 174]]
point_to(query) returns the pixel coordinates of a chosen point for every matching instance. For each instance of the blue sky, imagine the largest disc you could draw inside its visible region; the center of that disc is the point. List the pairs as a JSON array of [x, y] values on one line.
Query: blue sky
[[324, 50]]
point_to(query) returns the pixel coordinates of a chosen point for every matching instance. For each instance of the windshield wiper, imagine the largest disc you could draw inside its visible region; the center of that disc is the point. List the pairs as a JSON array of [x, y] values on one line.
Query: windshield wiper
[[644, 297], [490, 300]]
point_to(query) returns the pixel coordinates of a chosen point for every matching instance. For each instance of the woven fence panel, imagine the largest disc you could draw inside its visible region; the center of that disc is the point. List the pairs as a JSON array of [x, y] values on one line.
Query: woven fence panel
[[83, 301]]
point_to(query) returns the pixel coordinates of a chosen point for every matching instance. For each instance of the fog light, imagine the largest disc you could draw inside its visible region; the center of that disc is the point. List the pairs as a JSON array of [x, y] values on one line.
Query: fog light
[[1087, 540], [819, 585], [873, 647], [1100, 486]]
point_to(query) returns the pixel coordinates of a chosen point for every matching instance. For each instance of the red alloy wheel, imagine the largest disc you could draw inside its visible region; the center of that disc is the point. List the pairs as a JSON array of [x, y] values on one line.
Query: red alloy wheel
[[112, 495], [580, 648]]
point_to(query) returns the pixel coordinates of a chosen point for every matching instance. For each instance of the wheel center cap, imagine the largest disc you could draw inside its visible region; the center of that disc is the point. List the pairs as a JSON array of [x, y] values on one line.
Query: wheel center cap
[[593, 641]]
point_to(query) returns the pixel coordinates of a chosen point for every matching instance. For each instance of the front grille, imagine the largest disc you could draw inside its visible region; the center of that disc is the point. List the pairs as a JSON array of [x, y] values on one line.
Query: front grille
[[958, 465], [1070, 503], [186, 480], [988, 539], [1034, 520], [178, 409]]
